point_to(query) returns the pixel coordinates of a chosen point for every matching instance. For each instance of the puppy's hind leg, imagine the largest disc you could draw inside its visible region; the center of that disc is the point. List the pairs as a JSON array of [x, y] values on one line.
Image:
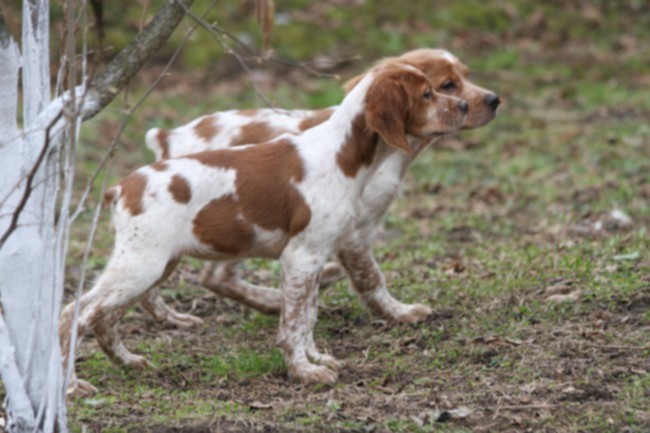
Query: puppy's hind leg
[[126, 278], [222, 278]]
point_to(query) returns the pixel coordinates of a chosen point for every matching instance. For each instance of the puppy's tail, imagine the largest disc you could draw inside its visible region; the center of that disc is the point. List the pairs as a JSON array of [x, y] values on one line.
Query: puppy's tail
[[156, 140]]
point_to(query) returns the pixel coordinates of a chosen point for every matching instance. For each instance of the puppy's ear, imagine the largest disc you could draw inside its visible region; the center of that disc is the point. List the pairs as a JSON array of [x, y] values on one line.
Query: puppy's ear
[[352, 82], [386, 110]]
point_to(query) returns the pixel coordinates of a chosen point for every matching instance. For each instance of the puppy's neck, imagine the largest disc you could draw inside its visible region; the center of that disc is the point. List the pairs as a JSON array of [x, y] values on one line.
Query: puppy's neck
[[353, 103]]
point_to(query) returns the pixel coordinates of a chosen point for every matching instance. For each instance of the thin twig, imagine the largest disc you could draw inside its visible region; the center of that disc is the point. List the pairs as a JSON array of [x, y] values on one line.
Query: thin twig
[[257, 56], [228, 50], [30, 178], [617, 347]]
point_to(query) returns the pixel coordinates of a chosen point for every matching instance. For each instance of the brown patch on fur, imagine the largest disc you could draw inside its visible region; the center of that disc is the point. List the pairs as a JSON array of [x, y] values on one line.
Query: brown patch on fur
[[159, 166], [265, 196], [359, 148], [132, 192], [219, 224], [206, 128], [249, 112], [163, 137], [180, 189], [318, 117], [387, 106], [253, 133]]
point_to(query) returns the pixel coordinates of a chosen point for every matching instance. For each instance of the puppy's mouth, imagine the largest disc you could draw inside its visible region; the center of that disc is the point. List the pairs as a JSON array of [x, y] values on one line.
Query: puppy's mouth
[[446, 126], [478, 118]]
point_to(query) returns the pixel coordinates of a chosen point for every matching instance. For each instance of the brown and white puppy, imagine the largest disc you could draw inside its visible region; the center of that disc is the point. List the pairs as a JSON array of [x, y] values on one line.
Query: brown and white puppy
[[236, 127], [294, 199]]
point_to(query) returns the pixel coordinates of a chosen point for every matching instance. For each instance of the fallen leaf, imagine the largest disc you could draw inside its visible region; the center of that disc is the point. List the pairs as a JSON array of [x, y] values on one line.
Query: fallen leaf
[[258, 405], [562, 286], [499, 341], [620, 217], [461, 412], [456, 267], [570, 297], [624, 257], [95, 402], [417, 420]]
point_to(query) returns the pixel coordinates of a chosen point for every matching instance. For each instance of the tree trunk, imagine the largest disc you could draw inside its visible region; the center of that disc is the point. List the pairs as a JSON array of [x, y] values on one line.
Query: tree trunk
[[32, 245], [26, 259]]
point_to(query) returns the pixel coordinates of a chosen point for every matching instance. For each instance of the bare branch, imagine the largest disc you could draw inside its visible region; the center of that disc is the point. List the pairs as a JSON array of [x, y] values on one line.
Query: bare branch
[[218, 33], [128, 62]]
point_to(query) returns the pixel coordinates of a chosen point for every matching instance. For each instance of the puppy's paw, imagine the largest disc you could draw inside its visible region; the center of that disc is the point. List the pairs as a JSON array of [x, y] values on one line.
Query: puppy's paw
[[414, 313], [183, 320], [326, 360], [330, 361], [137, 362], [81, 388], [310, 373]]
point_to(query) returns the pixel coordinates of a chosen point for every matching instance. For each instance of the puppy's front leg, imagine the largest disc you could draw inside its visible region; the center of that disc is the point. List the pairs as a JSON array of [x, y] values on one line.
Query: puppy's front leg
[[370, 284], [298, 315]]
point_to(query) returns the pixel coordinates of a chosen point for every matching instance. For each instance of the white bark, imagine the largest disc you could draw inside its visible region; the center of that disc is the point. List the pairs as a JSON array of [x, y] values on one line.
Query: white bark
[[32, 258], [36, 55], [19, 409], [28, 258]]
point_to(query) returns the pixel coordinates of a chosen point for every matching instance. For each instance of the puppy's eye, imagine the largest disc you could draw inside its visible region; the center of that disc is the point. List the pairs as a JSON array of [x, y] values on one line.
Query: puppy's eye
[[428, 94], [448, 85]]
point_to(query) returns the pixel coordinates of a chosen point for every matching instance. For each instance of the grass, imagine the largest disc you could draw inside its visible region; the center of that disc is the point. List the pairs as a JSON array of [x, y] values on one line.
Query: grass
[[487, 222]]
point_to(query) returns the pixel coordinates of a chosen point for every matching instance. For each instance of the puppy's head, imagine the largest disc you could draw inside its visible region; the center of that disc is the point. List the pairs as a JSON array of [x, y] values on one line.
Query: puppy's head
[[450, 77], [401, 101]]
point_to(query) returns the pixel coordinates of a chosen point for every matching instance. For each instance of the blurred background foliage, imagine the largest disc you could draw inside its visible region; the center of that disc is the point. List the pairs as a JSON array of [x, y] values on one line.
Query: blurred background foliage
[[332, 32]]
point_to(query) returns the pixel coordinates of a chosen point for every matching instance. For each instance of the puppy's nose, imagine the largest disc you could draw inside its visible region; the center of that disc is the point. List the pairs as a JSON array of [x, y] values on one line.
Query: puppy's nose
[[493, 100], [463, 106]]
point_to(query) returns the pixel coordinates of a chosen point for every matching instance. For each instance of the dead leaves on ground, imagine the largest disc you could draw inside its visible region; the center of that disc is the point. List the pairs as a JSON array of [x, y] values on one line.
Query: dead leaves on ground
[[562, 291]]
